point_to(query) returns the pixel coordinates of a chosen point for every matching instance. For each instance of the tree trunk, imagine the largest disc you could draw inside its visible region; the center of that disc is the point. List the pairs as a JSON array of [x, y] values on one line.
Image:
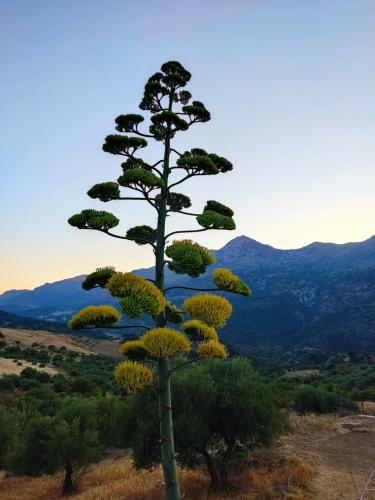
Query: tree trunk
[[68, 486], [218, 473], [165, 406]]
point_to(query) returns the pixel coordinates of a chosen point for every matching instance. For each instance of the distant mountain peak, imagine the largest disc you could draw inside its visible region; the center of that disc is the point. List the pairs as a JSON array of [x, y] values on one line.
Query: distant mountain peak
[[243, 240]]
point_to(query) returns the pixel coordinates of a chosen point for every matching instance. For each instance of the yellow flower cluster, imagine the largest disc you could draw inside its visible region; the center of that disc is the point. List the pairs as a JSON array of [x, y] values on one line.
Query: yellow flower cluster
[[133, 376], [211, 309], [196, 330], [98, 316], [138, 295], [211, 349], [226, 280], [133, 349], [162, 343]]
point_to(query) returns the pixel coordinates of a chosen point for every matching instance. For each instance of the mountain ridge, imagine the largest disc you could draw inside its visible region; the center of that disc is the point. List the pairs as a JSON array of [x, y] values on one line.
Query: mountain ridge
[[320, 295]]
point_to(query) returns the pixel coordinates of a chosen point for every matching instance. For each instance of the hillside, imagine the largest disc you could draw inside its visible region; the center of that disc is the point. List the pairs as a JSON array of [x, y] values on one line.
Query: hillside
[[321, 295], [82, 345]]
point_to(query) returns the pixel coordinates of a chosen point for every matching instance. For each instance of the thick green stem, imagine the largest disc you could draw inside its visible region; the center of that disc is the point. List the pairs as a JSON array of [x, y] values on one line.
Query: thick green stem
[[165, 407], [166, 433]]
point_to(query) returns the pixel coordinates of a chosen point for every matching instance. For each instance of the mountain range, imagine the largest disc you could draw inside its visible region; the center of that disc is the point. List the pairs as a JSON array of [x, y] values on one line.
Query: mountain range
[[320, 296]]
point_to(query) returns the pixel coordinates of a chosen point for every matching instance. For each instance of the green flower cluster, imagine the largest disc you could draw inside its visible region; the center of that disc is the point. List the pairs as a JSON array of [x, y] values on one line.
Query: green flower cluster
[[189, 258], [198, 160], [213, 220], [128, 123], [133, 162], [94, 219], [226, 280], [98, 279], [105, 191], [164, 121], [137, 295], [173, 314], [215, 206], [141, 234], [134, 350], [175, 201], [172, 76], [122, 144], [198, 331], [140, 177], [197, 112]]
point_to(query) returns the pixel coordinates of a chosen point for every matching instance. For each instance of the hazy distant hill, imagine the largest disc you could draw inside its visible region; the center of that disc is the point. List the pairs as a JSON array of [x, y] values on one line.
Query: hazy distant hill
[[321, 295], [8, 320]]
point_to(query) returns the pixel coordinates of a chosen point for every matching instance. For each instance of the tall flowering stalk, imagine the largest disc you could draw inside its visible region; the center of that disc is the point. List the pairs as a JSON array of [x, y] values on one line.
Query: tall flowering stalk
[[172, 112]]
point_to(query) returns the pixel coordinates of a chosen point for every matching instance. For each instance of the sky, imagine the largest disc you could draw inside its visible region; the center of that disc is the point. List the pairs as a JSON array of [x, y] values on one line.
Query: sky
[[290, 86]]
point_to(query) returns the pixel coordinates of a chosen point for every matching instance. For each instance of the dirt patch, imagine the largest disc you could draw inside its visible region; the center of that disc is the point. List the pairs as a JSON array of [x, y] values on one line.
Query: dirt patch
[[341, 451], [301, 374]]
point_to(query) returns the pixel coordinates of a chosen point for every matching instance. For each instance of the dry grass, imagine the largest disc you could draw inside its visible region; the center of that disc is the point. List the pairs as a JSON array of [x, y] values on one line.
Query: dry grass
[[367, 407], [44, 339], [310, 423], [84, 345], [115, 479], [8, 367]]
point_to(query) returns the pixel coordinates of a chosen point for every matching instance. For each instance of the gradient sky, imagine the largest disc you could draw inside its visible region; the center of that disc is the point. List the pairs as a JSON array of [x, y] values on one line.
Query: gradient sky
[[290, 86]]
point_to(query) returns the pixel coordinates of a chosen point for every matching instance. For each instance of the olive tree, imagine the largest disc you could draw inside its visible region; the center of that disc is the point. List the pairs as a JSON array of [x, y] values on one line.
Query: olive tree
[[172, 111]]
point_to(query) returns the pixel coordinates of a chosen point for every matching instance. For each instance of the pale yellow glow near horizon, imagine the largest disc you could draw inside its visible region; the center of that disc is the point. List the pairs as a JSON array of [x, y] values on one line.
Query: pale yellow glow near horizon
[[23, 272]]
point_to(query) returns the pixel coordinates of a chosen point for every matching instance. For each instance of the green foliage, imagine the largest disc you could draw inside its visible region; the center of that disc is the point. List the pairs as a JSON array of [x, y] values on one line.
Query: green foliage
[[215, 206], [188, 258], [142, 234], [213, 220], [320, 400], [140, 177], [94, 219], [105, 191], [122, 144], [98, 278], [8, 435], [220, 408]]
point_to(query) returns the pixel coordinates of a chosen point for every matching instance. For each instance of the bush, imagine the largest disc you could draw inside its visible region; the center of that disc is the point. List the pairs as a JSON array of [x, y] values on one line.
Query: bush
[[310, 399], [220, 409]]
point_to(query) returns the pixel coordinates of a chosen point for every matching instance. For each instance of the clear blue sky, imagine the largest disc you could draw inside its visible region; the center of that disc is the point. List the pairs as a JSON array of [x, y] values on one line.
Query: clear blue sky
[[290, 85]]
